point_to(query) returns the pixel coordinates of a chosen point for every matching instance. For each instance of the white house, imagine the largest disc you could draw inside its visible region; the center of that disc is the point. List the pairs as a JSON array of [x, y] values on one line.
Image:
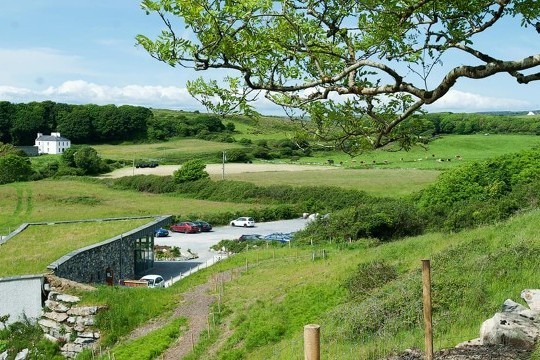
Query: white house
[[52, 144]]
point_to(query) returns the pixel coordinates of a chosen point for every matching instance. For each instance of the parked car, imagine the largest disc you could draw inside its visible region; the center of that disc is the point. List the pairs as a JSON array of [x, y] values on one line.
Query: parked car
[[161, 232], [243, 221], [281, 237], [246, 237], [203, 225], [185, 227], [154, 281]]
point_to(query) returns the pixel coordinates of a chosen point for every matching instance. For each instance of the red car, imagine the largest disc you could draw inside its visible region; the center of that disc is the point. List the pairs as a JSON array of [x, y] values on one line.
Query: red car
[[186, 227]]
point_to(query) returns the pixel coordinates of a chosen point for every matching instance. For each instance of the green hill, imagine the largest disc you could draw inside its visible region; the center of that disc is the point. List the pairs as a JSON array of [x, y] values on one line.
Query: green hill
[[366, 298]]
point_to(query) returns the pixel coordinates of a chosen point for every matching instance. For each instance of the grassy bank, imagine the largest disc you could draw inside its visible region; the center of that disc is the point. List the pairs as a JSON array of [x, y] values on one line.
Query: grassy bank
[[262, 310], [77, 199], [31, 251]]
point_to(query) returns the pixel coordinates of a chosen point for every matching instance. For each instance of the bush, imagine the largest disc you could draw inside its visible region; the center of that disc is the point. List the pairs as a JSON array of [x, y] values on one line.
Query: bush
[[191, 170], [146, 183], [383, 219], [14, 168], [369, 276]]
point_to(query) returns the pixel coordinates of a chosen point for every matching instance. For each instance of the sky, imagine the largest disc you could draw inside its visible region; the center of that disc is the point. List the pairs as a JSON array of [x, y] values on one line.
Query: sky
[[81, 52]]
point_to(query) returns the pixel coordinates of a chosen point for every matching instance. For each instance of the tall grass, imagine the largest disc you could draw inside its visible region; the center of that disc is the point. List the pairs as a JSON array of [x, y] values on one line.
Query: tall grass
[[77, 199], [31, 251]]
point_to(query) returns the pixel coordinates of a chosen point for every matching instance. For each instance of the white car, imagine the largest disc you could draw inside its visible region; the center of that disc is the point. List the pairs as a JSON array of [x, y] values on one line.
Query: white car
[[154, 281], [243, 221]]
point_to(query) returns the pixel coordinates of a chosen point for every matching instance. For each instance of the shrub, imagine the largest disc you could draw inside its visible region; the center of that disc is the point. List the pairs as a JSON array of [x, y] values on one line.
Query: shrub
[[369, 276], [146, 183], [191, 170], [383, 219], [14, 168]]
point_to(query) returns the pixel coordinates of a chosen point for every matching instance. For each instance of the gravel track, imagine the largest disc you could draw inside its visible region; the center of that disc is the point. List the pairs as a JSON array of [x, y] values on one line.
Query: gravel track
[[216, 169]]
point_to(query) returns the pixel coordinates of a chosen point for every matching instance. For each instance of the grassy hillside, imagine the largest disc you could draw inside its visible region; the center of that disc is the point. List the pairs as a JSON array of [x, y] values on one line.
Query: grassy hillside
[[76, 199], [445, 152], [174, 151], [263, 309], [31, 251]]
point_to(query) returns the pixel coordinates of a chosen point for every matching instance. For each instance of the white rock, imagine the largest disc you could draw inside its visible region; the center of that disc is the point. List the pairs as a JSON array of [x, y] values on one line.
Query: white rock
[[4, 355], [532, 297], [56, 306], [58, 317], [23, 354], [512, 306], [509, 329], [50, 338], [83, 310], [49, 324], [67, 298]]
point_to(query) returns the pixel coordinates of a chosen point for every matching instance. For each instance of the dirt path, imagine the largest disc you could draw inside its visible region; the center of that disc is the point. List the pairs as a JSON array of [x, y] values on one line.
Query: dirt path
[[216, 169], [195, 307]]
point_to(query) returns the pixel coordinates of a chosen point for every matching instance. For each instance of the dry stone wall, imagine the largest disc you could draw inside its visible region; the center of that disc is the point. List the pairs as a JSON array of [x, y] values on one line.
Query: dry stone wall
[[69, 324]]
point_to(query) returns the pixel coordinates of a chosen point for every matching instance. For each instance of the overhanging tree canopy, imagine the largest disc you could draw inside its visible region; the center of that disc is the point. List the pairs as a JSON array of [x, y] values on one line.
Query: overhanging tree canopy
[[358, 68]]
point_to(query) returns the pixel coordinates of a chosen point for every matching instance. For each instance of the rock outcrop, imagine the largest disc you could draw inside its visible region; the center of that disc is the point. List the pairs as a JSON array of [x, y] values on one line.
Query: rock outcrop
[[515, 325]]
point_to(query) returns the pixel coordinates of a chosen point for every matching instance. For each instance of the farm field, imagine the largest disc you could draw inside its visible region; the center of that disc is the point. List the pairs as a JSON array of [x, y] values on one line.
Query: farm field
[[379, 182], [442, 153], [174, 151], [31, 251], [76, 199]]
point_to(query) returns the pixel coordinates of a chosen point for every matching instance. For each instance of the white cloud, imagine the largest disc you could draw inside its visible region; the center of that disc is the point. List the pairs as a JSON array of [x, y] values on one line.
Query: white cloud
[[460, 101], [83, 92]]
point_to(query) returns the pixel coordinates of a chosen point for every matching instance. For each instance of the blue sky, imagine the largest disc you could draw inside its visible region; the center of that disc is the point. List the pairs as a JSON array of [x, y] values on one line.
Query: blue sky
[[83, 52]]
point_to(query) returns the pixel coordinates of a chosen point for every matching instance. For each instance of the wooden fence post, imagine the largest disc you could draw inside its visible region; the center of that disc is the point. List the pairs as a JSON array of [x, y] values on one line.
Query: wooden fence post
[[312, 342], [426, 290]]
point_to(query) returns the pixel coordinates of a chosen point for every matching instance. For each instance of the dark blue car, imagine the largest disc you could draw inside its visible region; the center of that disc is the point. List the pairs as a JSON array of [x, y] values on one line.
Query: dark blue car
[[161, 232]]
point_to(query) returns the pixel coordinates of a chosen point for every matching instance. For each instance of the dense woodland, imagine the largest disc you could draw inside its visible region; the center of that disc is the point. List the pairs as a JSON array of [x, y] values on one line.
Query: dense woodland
[[94, 124]]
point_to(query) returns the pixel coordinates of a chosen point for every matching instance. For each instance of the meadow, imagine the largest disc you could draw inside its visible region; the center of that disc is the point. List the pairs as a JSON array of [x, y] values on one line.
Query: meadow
[[78, 199], [261, 311], [31, 251], [172, 151], [278, 289]]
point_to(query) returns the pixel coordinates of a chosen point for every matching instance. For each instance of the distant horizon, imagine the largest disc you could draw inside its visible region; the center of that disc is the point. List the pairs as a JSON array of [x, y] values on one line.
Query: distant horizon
[[85, 53], [205, 111]]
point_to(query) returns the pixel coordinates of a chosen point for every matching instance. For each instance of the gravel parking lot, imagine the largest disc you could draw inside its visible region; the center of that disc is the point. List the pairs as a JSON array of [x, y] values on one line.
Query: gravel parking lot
[[200, 244]]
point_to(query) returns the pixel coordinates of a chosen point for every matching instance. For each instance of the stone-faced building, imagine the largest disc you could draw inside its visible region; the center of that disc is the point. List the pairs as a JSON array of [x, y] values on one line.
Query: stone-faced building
[[52, 144]]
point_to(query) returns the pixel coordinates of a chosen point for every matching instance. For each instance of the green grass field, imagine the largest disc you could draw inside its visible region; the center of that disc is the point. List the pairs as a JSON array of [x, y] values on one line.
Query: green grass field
[[31, 251], [378, 182], [173, 151], [456, 148], [76, 199]]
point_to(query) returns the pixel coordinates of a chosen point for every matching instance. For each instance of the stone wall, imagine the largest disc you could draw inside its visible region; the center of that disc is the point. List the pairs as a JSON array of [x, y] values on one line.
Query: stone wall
[[89, 264], [70, 325]]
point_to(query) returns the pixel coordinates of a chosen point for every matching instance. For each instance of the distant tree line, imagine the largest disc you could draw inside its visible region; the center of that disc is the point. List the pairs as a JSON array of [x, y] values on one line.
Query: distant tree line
[[95, 124], [465, 124], [86, 124]]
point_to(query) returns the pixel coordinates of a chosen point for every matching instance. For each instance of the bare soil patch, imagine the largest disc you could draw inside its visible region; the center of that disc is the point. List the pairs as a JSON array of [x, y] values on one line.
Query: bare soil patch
[[216, 169]]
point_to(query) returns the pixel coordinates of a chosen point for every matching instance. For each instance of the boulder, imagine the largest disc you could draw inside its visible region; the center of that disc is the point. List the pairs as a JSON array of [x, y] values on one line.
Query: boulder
[[510, 328]]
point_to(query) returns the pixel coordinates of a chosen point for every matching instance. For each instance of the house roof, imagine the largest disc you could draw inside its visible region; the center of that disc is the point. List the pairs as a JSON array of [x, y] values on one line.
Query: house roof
[[51, 138]]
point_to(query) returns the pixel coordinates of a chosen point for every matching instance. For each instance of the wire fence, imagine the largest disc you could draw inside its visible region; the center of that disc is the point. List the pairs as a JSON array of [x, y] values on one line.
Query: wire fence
[[376, 335]]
